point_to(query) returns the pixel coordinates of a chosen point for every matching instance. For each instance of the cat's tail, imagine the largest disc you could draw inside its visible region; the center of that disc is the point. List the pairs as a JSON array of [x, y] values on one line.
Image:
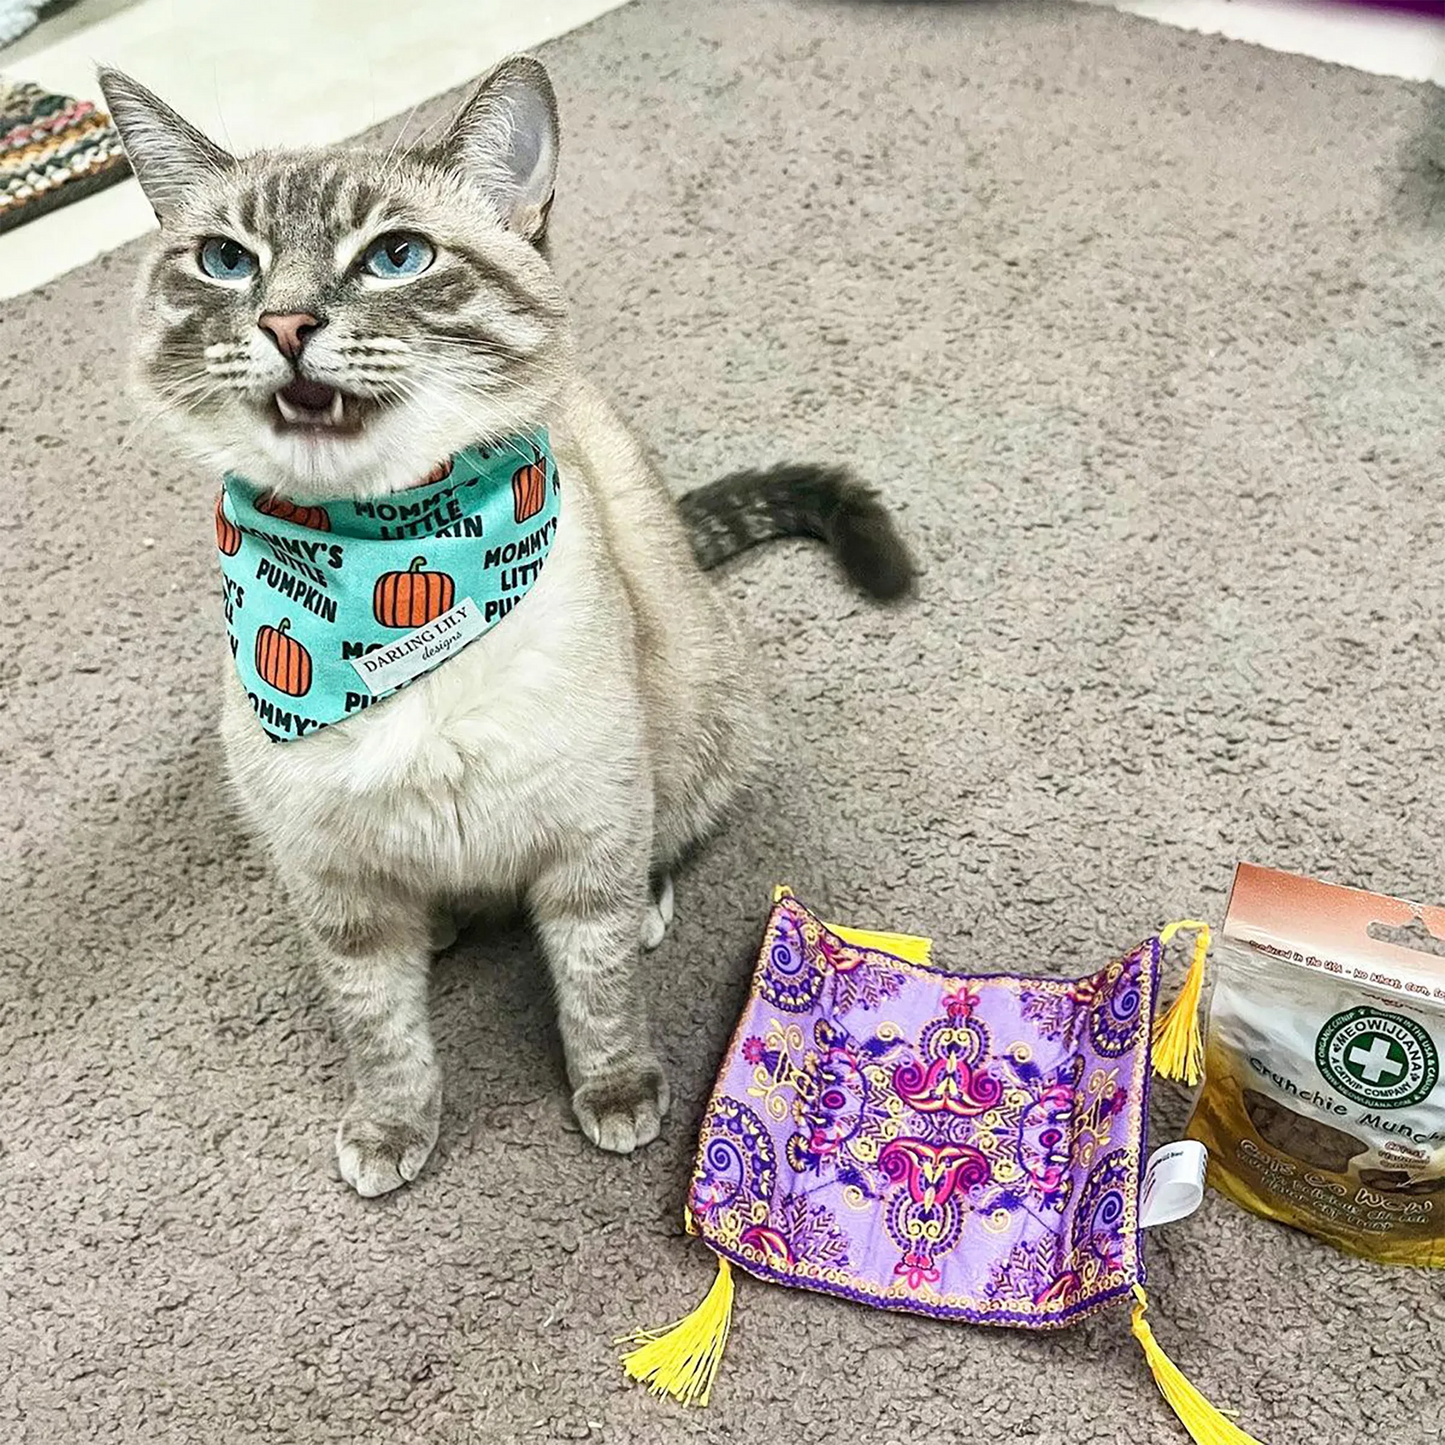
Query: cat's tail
[[801, 500]]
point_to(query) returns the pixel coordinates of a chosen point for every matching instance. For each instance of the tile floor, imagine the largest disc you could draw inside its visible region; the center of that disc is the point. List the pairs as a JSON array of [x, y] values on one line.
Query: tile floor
[[232, 78], [1384, 42]]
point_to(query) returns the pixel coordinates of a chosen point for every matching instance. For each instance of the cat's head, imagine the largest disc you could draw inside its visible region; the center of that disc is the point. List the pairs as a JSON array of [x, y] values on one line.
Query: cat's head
[[335, 322]]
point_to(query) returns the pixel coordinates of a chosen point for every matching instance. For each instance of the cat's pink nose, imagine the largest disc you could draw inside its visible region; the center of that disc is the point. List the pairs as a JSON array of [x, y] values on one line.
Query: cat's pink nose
[[289, 330]]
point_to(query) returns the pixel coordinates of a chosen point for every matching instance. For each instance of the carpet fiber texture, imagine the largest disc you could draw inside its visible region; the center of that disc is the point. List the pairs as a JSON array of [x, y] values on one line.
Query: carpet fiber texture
[[1141, 333]]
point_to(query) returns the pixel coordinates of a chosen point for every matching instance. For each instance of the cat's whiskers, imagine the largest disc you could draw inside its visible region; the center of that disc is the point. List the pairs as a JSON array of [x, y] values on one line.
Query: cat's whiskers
[[508, 420], [395, 154], [468, 343], [186, 399]]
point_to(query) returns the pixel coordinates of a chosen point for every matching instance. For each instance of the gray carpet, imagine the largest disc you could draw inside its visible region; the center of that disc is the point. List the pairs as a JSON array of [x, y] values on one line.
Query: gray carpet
[[1142, 334]]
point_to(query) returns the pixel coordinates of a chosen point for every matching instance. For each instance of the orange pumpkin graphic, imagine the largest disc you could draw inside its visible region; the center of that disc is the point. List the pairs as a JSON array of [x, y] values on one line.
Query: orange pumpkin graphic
[[284, 511], [438, 473], [529, 490], [412, 598], [282, 661], [228, 534]]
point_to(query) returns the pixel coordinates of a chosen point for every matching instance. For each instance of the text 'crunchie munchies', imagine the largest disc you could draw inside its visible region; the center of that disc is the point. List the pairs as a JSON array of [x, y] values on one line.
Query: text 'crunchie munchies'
[[1323, 1104]]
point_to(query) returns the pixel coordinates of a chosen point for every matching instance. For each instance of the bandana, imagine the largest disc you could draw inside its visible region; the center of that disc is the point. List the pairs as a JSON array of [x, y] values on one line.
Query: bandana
[[969, 1147], [332, 608]]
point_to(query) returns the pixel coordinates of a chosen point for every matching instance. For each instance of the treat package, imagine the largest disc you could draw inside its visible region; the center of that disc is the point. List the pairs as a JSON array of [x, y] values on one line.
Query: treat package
[[1323, 1104]]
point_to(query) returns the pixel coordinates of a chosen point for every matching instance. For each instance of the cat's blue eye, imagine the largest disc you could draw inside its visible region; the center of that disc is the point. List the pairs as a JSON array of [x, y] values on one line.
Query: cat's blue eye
[[227, 260], [398, 254]]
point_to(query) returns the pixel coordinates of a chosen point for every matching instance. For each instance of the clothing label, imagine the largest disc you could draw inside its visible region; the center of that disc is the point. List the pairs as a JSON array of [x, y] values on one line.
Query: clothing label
[[1173, 1183], [419, 651]]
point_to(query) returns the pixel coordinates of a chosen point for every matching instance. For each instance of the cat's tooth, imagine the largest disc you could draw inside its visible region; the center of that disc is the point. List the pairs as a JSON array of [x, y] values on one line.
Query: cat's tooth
[[288, 411], [333, 415]]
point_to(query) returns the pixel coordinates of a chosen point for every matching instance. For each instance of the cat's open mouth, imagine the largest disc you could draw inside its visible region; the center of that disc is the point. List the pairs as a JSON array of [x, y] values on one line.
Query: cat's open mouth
[[315, 408]]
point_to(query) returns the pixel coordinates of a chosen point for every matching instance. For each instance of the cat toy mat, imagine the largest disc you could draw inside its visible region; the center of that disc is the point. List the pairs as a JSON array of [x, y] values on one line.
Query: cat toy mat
[[969, 1147], [53, 149]]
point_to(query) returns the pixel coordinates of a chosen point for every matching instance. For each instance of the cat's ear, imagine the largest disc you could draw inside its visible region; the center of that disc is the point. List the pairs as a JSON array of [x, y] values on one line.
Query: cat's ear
[[167, 153], [505, 139]]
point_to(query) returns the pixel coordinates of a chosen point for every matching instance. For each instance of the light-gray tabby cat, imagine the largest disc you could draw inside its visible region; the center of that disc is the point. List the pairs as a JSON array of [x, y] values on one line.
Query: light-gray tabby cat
[[567, 758]]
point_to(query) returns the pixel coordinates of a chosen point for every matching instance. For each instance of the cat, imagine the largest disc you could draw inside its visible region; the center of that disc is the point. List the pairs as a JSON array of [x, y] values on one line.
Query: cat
[[568, 758]]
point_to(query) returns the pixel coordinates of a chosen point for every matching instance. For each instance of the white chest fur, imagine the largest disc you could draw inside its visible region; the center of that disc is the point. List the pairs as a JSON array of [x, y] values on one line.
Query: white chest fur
[[459, 780]]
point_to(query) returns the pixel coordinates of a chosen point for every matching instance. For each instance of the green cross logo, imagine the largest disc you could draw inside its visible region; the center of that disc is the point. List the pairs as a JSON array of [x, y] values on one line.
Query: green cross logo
[[1375, 1057], [1378, 1058]]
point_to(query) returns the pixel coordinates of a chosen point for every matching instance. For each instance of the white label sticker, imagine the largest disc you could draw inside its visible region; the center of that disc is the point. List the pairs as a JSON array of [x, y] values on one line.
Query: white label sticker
[[410, 656], [1173, 1183]]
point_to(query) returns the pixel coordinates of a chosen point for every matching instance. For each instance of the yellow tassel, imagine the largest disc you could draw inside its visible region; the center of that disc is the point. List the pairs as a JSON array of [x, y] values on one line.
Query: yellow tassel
[[1206, 1425], [1178, 1039], [901, 945], [906, 946], [682, 1360]]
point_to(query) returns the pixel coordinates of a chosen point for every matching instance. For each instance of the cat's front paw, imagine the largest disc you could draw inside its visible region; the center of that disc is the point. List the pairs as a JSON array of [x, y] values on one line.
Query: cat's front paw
[[622, 1111], [380, 1146]]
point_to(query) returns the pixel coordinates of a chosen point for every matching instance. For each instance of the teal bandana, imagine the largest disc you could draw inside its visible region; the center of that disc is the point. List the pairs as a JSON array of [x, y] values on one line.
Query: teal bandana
[[331, 608]]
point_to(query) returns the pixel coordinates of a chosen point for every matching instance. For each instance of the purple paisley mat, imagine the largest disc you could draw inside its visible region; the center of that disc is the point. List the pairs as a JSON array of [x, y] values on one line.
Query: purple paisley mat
[[968, 1147]]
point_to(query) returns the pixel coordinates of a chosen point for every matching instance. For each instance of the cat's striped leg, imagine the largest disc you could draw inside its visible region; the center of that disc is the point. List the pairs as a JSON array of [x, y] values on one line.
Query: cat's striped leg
[[375, 955], [589, 912]]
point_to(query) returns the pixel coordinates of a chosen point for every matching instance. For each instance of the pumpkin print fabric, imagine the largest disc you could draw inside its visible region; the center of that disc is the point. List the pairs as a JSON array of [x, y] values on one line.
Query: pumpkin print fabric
[[963, 1146], [529, 490], [282, 662], [330, 609], [412, 598], [316, 518], [228, 535]]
